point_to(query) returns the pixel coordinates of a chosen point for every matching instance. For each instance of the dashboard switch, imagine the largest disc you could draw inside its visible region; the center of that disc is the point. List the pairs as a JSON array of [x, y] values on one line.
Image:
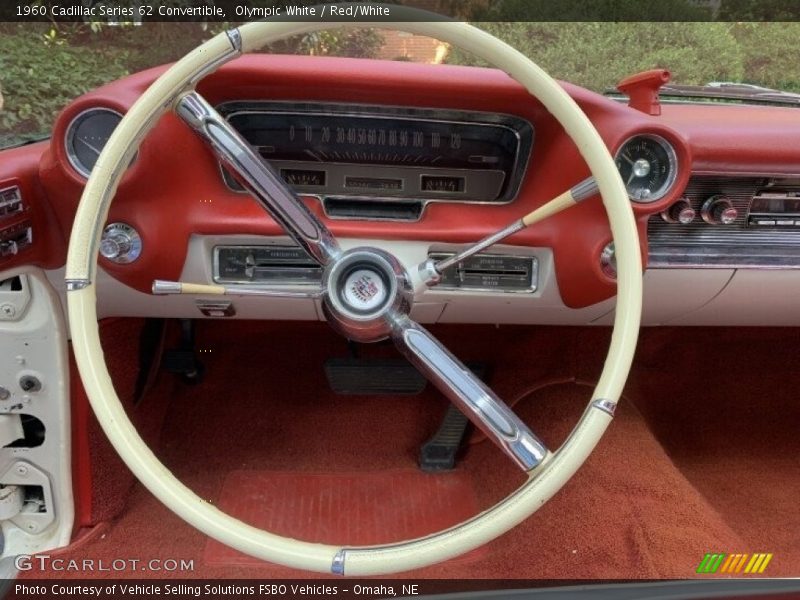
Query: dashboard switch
[[10, 201], [718, 210], [120, 243], [680, 212], [15, 238]]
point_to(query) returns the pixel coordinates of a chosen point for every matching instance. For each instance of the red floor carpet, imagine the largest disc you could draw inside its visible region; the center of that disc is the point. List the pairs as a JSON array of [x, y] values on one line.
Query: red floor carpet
[[361, 508], [692, 463]]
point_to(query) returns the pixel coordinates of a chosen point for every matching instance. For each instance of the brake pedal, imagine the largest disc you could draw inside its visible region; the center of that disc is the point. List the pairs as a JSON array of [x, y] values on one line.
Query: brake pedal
[[373, 377]]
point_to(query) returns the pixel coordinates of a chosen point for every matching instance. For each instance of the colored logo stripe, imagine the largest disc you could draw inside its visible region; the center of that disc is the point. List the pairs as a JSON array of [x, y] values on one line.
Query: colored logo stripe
[[758, 563], [734, 563], [710, 563]]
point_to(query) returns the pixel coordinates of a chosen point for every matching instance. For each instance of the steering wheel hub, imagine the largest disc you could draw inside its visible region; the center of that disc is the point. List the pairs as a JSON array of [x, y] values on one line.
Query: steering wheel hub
[[366, 290]]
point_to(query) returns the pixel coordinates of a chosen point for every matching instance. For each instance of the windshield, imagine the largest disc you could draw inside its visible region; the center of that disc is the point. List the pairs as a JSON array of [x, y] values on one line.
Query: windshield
[[43, 67]]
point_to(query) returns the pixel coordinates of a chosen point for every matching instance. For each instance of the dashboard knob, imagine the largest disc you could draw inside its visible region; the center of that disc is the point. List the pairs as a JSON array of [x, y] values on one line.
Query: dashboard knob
[[718, 210], [608, 261], [120, 243], [680, 212]]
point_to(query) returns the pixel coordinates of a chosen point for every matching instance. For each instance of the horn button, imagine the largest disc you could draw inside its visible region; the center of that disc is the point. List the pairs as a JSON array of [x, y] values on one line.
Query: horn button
[[366, 289]]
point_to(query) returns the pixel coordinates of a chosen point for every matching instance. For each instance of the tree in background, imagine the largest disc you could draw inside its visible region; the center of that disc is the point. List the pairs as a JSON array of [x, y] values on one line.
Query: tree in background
[[769, 54], [597, 55], [577, 10], [43, 67]]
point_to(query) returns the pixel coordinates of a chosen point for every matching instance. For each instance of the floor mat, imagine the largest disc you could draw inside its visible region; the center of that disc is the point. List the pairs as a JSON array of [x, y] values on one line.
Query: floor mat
[[344, 508]]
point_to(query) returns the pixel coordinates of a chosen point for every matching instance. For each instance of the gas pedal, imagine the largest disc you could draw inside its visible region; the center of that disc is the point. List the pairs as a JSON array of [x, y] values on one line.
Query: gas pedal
[[440, 452]]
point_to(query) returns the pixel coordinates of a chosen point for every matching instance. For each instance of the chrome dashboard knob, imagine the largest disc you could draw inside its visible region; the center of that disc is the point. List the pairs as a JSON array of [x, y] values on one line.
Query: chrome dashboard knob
[[718, 210], [680, 212], [608, 261], [120, 243]]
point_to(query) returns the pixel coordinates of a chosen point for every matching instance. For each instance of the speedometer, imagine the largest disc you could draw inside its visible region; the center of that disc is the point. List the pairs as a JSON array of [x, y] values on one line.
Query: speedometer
[[648, 167]]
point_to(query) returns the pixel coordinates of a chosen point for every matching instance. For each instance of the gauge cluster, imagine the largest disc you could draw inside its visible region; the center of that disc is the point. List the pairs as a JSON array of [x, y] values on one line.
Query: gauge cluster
[[357, 151]]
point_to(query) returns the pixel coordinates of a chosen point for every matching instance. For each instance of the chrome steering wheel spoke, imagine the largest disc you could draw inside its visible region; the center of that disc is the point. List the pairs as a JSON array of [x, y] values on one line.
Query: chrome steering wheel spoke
[[259, 178], [473, 397]]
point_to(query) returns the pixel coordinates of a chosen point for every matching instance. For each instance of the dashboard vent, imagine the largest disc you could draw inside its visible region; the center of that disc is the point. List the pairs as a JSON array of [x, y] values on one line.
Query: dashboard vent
[[373, 210]]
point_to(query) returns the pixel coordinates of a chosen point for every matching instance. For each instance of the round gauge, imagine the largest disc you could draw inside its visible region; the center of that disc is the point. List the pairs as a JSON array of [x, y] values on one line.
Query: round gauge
[[648, 166], [87, 136]]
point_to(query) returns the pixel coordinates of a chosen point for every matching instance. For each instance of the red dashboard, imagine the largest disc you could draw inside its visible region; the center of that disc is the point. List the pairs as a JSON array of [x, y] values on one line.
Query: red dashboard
[[174, 188]]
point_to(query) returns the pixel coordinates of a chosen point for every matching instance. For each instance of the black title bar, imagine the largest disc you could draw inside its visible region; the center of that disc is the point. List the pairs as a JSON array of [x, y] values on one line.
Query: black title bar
[[140, 11]]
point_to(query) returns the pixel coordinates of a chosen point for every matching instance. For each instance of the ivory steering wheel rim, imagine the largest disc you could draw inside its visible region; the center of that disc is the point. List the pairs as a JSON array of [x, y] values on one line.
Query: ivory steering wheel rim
[[543, 481]]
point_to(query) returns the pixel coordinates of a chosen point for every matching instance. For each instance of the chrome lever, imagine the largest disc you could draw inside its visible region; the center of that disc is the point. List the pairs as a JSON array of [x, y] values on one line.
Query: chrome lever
[[168, 288], [431, 271]]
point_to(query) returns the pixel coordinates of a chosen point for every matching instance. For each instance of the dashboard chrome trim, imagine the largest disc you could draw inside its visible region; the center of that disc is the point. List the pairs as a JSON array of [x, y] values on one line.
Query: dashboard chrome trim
[[745, 174], [722, 257], [325, 204]]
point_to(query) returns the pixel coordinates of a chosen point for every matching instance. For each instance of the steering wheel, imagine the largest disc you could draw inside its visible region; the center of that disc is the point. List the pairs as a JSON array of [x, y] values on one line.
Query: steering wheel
[[367, 295]]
